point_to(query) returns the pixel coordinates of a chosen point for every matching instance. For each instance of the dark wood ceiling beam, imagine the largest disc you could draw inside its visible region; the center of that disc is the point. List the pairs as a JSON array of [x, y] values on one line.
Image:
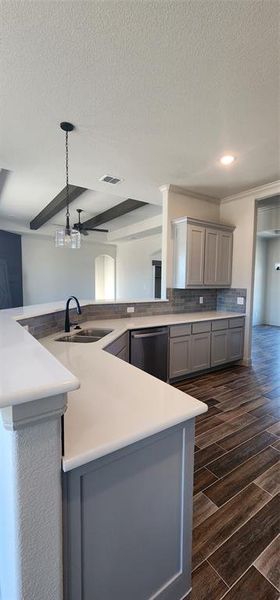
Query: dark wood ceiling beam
[[113, 213], [56, 205]]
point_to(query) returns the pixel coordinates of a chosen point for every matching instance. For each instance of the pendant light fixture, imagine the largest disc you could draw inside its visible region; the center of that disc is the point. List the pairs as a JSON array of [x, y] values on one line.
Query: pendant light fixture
[[67, 236]]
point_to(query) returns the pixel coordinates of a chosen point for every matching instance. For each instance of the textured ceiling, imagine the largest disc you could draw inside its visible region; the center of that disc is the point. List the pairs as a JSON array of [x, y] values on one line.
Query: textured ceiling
[[158, 90]]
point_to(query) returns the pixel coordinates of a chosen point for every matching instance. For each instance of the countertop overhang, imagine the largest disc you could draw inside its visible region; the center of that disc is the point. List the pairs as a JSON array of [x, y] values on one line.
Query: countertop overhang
[[118, 404]]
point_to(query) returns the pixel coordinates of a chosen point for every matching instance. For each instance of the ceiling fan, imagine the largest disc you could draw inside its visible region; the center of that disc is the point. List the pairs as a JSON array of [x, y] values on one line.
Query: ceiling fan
[[82, 229]]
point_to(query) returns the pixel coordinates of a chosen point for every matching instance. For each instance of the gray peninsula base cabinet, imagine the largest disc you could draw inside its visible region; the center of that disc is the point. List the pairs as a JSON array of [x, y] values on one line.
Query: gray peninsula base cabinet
[[205, 345], [128, 521]]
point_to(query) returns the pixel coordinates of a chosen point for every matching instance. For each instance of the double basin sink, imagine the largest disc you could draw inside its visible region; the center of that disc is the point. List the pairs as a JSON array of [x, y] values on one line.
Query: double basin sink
[[85, 336]]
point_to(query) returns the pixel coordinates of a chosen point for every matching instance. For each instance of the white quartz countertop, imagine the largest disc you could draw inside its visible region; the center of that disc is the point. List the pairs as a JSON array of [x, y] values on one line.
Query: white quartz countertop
[[117, 404], [27, 371]]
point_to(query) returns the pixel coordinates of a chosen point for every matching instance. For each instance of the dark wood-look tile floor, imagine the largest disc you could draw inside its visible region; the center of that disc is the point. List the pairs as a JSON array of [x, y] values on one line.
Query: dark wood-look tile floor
[[236, 534]]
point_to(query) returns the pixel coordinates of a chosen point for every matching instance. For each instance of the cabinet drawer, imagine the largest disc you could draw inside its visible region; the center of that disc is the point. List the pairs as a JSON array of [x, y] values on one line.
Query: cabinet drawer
[[178, 330], [238, 322], [221, 324], [201, 327]]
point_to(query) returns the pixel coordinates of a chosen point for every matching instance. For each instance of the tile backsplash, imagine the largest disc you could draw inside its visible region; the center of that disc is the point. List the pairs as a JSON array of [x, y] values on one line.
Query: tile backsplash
[[179, 301], [188, 300], [227, 299]]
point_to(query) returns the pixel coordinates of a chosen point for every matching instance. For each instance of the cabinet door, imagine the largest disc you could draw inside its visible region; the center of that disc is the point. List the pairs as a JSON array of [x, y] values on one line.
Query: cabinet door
[[119, 344], [235, 343], [124, 354], [179, 231], [224, 258], [211, 256], [219, 347], [200, 351], [195, 255], [179, 356]]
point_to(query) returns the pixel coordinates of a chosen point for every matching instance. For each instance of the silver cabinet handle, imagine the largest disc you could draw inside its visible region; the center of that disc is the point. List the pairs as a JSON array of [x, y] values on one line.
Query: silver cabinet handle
[[145, 335]]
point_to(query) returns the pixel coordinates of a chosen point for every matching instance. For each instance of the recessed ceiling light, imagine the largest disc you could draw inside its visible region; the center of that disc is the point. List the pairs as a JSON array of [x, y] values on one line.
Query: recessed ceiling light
[[227, 159]]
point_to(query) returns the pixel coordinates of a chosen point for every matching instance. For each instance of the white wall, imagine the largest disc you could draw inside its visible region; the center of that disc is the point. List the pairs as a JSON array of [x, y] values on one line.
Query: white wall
[[269, 218], [260, 282], [241, 213], [51, 274], [134, 273], [240, 210], [272, 305]]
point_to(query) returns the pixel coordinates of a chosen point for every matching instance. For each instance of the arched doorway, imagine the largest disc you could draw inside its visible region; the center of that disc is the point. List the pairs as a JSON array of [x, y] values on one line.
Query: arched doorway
[[104, 277]]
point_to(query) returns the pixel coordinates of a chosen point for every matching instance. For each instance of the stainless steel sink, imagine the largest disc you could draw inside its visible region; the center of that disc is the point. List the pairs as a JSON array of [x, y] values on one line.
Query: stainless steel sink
[[85, 336], [100, 333]]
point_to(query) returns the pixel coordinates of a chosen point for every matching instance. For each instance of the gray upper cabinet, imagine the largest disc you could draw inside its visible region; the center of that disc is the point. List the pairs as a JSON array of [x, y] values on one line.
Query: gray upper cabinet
[[224, 258], [189, 248], [202, 254], [195, 254], [211, 256], [218, 257]]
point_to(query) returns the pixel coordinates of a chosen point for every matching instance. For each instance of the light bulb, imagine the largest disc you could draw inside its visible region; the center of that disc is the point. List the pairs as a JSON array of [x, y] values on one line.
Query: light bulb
[[227, 159]]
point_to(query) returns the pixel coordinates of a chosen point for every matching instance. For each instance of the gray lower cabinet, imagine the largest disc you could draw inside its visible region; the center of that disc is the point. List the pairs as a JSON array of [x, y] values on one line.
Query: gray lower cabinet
[[235, 343], [219, 348], [204, 345], [120, 347], [128, 521], [200, 351], [123, 354], [226, 346], [180, 356]]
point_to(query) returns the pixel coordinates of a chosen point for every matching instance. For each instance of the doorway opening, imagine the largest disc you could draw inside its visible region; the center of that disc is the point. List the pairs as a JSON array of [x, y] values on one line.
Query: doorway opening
[[266, 300], [104, 277], [156, 264]]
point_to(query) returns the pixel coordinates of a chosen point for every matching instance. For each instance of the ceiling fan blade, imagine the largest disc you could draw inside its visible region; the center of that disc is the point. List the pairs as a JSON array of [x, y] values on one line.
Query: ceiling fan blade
[[84, 232], [4, 174], [96, 229]]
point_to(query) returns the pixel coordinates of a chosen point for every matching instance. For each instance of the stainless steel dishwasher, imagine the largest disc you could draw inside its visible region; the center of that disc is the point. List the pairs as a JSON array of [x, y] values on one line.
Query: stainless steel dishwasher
[[149, 349]]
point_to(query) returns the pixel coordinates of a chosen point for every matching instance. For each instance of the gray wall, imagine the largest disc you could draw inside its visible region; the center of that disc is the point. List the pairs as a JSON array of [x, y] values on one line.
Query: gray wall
[[10, 270]]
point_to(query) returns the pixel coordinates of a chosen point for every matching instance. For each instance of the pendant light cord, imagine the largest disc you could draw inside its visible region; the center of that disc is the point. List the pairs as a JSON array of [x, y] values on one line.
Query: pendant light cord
[[68, 228], [67, 174]]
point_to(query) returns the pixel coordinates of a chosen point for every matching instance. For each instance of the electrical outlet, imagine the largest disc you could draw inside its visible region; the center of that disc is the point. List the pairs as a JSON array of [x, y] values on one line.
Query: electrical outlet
[[240, 300], [200, 299], [130, 309]]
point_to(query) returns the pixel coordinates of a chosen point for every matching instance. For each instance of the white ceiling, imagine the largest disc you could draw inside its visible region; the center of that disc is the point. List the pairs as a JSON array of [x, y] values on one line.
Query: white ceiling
[[157, 90]]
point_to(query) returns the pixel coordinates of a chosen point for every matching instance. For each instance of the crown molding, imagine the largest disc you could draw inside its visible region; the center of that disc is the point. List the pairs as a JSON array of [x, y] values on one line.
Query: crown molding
[[259, 192], [176, 189]]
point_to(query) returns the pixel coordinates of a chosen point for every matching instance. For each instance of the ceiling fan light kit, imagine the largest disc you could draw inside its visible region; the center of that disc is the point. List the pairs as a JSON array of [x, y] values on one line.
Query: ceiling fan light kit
[[67, 237]]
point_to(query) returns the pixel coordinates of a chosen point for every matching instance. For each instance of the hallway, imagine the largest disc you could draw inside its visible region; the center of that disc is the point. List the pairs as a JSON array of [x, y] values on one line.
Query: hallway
[[236, 541]]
